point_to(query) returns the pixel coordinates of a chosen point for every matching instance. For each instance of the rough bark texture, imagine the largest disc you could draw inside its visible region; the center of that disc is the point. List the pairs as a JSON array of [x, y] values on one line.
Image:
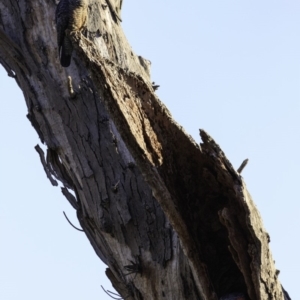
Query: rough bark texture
[[175, 214]]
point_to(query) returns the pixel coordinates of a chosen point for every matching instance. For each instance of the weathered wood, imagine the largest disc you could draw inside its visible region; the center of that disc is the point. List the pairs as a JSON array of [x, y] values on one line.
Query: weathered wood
[[146, 194]]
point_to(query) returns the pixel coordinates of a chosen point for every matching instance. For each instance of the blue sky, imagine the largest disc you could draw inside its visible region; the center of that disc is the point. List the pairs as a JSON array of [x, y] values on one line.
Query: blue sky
[[229, 67]]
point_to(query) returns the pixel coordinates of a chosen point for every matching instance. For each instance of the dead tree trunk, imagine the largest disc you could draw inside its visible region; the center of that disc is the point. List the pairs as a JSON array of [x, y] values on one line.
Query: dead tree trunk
[[152, 202]]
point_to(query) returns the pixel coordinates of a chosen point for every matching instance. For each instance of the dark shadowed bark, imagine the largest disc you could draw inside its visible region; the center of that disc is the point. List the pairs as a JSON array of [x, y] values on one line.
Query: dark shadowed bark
[[151, 201]]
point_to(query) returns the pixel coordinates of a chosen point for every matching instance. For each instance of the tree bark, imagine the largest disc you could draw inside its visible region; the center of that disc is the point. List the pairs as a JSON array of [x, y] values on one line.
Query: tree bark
[[152, 202]]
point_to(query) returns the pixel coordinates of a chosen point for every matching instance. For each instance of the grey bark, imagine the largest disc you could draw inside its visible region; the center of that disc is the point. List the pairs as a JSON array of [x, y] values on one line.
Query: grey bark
[[151, 201]]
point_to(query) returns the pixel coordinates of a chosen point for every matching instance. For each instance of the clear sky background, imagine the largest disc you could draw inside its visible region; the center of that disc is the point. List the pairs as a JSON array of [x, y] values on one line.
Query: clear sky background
[[229, 67]]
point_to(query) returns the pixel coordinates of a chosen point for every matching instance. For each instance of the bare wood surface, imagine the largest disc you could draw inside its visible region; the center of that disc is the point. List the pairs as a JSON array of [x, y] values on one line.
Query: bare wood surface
[[144, 191]]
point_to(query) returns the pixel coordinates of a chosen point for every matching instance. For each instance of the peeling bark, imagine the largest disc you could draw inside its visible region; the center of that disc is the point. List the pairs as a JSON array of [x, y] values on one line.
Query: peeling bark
[[151, 201]]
